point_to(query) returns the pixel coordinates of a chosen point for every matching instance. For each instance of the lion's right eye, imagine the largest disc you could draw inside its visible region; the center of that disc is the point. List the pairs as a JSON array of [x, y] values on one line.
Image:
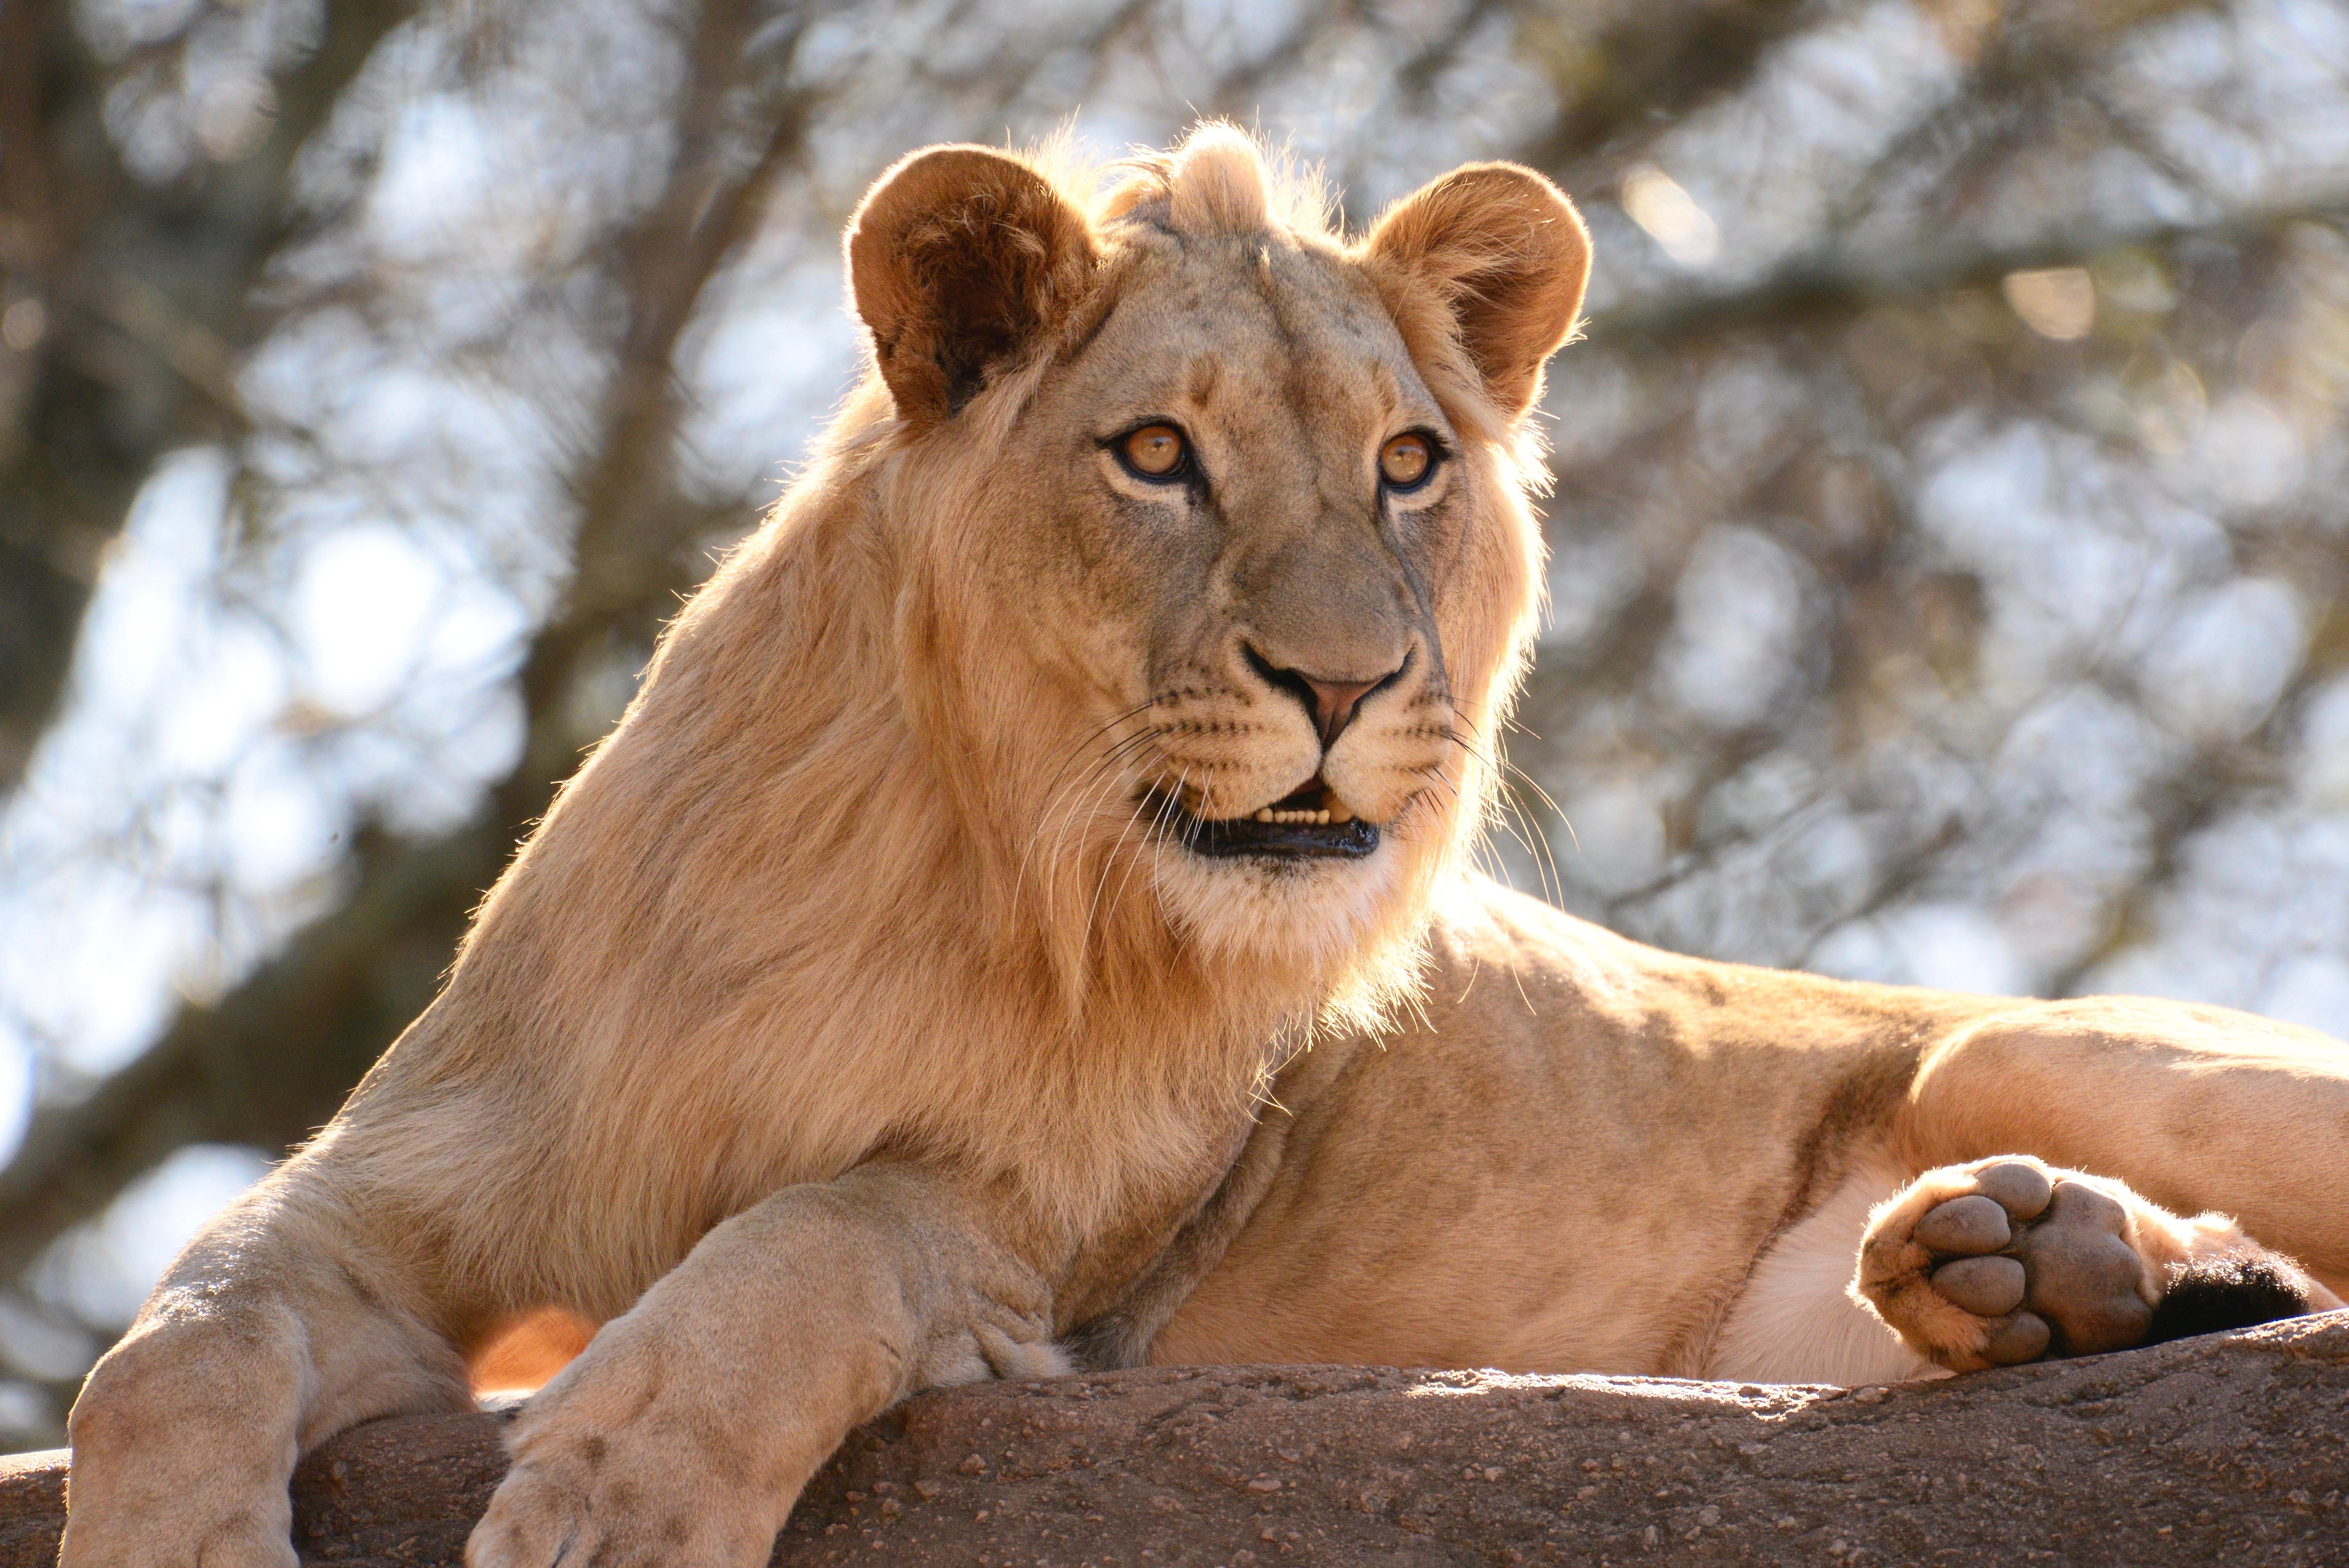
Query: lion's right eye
[[1404, 461], [1156, 453]]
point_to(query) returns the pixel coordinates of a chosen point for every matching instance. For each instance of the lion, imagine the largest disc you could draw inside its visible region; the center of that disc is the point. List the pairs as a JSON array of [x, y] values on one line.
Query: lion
[[1023, 921]]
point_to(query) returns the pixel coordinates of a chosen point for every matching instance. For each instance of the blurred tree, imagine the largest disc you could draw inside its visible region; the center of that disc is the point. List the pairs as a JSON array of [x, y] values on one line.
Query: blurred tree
[[129, 300], [1947, 550]]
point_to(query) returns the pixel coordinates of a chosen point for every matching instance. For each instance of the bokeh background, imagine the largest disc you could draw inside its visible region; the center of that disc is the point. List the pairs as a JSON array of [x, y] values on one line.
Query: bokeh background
[[1948, 546]]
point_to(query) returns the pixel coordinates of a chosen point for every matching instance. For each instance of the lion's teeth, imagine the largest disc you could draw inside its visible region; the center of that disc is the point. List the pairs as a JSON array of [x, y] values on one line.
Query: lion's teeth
[[1340, 813], [1318, 817]]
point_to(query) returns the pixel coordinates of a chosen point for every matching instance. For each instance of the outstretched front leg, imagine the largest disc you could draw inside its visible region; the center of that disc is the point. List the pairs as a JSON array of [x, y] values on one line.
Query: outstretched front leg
[[280, 1325], [2007, 1260], [681, 1435]]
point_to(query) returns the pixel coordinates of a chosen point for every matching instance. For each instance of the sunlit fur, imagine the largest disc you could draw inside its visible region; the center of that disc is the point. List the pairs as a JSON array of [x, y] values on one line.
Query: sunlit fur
[[859, 1019], [864, 867], [853, 999]]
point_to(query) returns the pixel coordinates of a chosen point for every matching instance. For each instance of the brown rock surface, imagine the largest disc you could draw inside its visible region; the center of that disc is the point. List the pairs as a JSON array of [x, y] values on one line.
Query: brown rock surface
[[2232, 1448]]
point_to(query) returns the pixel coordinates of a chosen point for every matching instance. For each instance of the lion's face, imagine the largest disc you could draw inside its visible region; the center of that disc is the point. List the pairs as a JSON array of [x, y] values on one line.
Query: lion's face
[[1242, 593], [1257, 585]]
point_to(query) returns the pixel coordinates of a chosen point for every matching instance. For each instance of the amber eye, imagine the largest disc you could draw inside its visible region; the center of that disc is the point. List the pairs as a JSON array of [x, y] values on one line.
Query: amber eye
[[1405, 461], [1154, 452]]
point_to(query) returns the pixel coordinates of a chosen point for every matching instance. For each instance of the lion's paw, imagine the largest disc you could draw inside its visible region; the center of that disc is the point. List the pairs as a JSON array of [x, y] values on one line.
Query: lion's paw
[[589, 1503], [2005, 1261], [193, 1535]]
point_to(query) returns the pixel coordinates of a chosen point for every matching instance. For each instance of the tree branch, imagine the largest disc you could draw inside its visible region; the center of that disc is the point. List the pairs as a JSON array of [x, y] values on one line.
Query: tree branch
[[273, 1060], [1832, 284], [145, 293]]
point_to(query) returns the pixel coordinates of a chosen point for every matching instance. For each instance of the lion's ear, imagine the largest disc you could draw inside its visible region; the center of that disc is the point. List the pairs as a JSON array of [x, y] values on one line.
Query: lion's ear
[[959, 259], [1504, 251]]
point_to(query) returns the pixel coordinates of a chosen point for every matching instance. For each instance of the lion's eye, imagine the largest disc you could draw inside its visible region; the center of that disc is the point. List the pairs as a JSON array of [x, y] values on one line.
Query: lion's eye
[[1404, 461], [1154, 452]]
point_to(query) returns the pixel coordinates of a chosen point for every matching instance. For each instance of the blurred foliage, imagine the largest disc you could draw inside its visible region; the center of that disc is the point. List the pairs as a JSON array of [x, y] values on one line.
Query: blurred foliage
[[1949, 575]]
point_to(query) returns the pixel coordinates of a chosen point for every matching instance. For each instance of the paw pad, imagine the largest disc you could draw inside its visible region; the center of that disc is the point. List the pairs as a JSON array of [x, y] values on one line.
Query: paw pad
[[1987, 1287], [2048, 1256], [1971, 1224]]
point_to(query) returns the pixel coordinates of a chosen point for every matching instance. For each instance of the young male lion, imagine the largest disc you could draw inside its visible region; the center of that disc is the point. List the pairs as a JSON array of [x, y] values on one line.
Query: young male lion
[[915, 983]]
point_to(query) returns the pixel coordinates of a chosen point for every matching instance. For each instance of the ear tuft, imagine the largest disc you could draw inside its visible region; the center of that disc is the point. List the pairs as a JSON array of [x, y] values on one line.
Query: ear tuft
[[1505, 254], [960, 260]]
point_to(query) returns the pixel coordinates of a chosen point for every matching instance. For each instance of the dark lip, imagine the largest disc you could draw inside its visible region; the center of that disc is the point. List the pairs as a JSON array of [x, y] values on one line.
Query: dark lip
[[1245, 837]]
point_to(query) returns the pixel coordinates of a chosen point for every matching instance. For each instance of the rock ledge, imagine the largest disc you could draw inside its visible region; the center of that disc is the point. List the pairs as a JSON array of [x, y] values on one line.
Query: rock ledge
[[2234, 1446]]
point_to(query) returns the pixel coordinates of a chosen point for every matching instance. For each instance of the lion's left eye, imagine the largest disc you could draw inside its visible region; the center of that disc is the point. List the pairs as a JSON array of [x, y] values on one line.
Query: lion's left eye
[[1155, 451], [1406, 461]]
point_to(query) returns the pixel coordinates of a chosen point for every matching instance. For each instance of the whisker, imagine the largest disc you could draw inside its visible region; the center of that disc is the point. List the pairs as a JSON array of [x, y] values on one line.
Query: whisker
[[1059, 864], [1537, 842], [1157, 822], [1109, 864], [1106, 759], [1111, 780], [1076, 748]]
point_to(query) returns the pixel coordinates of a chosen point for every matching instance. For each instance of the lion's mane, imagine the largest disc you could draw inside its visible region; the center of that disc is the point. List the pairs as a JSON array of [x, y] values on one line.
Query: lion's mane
[[830, 858]]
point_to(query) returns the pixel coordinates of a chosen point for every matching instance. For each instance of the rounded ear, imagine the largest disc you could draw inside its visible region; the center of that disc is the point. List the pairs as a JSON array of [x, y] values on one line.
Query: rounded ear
[[959, 259], [1504, 252]]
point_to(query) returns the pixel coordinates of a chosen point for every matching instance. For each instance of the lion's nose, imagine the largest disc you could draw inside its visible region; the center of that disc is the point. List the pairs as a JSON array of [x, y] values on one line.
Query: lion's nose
[[1333, 702]]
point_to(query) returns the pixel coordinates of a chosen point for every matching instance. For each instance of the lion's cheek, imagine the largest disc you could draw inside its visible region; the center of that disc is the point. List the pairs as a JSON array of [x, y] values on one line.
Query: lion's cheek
[[1380, 788]]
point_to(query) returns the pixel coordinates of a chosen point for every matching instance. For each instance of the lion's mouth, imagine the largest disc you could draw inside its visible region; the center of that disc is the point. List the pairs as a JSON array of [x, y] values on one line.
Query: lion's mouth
[[1308, 822]]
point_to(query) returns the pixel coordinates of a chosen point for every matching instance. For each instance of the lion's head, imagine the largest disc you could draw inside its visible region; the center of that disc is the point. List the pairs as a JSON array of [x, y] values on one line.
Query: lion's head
[[1218, 560]]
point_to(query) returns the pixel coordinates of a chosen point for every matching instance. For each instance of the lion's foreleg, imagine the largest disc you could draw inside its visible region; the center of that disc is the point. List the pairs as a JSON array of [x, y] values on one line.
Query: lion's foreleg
[[276, 1328], [685, 1431], [2197, 1112], [1994, 1261], [2007, 1260]]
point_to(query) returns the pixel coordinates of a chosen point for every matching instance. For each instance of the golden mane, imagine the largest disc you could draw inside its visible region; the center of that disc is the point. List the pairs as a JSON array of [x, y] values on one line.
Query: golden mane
[[836, 815]]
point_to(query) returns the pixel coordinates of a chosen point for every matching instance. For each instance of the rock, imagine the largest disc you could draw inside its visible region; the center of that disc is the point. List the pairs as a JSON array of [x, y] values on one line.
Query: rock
[[2231, 1448]]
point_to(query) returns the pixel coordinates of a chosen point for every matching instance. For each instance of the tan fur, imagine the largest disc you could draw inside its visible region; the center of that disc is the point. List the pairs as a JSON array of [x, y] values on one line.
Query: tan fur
[[1594, 1156], [851, 1026]]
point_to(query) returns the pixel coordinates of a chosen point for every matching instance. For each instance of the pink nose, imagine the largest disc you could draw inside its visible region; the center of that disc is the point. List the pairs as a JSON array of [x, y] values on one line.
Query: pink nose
[[1333, 705]]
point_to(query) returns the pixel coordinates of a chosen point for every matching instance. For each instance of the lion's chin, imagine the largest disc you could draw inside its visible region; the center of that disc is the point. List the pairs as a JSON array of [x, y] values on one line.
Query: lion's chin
[[1317, 911]]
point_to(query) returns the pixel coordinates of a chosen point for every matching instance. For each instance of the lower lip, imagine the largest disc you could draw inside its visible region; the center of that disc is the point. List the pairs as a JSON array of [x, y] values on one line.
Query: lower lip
[[1246, 837]]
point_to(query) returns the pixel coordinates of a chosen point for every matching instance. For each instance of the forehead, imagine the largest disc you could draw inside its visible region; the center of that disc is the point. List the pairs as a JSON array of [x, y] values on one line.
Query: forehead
[[1230, 321]]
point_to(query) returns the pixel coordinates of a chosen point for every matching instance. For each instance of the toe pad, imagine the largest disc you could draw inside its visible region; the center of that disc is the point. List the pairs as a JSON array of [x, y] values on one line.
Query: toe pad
[[1965, 1225], [1987, 1287]]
